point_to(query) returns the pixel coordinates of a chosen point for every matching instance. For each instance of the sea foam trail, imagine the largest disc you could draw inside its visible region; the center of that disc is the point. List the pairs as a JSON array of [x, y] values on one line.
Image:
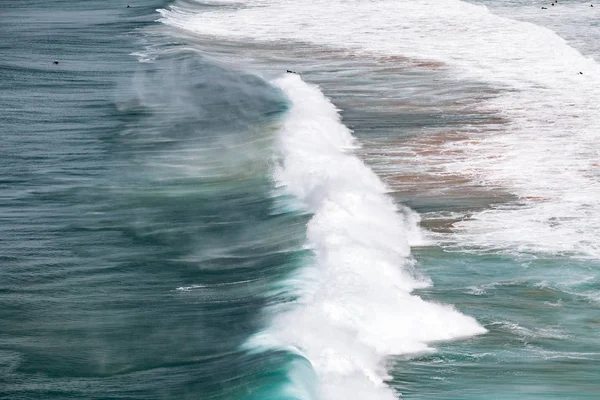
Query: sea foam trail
[[357, 308], [547, 155]]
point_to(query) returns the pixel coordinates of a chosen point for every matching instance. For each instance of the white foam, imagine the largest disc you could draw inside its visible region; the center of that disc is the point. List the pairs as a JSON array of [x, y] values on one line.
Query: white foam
[[548, 153], [573, 21], [359, 308]]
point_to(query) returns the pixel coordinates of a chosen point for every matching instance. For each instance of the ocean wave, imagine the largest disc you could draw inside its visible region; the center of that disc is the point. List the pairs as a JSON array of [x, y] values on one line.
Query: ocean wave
[[357, 307]]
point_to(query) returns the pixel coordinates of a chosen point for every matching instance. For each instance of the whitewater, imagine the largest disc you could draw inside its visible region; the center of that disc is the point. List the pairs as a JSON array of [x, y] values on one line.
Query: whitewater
[[356, 306], [544, 153]]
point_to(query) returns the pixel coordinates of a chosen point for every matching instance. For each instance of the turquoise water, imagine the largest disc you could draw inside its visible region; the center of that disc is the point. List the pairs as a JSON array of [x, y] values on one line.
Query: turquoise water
[[144, 240], [541, 321]]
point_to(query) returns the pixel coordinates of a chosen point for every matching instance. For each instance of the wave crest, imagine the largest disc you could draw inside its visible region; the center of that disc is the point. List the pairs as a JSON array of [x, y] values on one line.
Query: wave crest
[[358, 308]]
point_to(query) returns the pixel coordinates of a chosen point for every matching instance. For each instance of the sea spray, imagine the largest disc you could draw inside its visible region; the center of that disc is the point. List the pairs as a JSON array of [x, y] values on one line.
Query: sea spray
[[359, 308]]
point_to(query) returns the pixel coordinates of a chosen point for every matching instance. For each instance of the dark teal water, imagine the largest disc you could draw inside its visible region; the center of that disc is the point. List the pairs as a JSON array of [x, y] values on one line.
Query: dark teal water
[[142, 235], [123, 190]]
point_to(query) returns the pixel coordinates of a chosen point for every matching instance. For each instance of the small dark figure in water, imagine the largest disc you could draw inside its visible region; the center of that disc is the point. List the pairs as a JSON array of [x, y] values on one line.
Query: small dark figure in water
[[291, 72], [55, 61], [544, 8], [552, 4], [580, 73], [127, 5]]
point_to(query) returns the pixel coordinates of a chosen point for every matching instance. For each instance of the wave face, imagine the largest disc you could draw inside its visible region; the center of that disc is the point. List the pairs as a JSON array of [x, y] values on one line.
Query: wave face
[[355, 306], [546, 153]]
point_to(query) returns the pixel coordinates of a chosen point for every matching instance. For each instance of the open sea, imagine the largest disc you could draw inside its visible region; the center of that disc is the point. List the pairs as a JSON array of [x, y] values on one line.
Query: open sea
[[412, 211]]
